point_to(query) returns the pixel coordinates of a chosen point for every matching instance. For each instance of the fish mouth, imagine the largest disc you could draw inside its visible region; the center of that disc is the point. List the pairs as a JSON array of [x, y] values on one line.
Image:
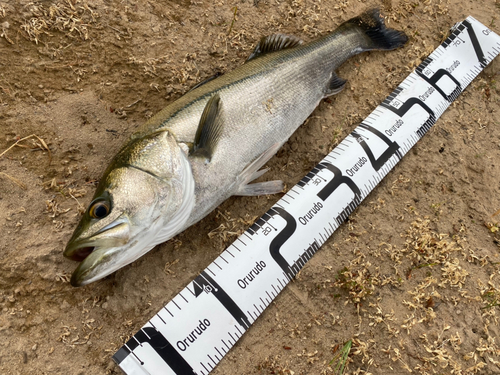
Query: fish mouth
[[101, 262], [94, 264], [82, 273], [93, 253], [81, 253], [78, 251]]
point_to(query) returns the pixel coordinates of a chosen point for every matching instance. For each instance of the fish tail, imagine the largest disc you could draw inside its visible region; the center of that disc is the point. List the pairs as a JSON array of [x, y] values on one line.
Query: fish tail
[[378, 35]]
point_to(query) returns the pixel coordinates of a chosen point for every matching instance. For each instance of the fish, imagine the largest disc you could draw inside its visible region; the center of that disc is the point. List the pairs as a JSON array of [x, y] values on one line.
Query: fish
[[212, 142]]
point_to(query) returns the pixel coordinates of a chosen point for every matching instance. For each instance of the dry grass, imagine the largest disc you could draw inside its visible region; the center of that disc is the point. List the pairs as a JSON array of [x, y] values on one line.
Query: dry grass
[[40, 145], [19, 183], [438, 275], [35, 145], [229, 229], [73, 18]]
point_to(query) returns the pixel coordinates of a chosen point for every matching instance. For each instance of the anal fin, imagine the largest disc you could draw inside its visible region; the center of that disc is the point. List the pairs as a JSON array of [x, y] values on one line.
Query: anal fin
[[335, 85], [261, 188], [252, 172]]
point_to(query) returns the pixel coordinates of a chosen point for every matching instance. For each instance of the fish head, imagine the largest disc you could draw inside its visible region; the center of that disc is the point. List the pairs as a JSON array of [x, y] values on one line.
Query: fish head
[[144, 198]]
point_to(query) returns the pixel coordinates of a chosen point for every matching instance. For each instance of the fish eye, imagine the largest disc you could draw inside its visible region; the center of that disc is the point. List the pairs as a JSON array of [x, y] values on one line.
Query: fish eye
[[99, 209]]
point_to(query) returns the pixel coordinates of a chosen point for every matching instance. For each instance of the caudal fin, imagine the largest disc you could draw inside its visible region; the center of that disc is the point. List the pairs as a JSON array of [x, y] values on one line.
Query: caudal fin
[[379, 36]]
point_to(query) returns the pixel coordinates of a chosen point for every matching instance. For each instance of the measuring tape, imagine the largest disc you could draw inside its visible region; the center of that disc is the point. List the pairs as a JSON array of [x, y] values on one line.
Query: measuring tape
[[192, 333]]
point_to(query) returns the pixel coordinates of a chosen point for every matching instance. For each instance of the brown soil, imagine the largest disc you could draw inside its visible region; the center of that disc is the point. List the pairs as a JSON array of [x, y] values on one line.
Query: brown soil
[[413, 278]]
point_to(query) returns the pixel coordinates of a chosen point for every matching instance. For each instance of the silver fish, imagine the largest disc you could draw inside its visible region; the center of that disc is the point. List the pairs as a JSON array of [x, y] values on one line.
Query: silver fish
[[211, 143]]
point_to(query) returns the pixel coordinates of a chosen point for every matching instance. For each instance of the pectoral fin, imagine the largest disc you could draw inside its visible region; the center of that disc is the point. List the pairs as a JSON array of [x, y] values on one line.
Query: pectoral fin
[[209, 130]]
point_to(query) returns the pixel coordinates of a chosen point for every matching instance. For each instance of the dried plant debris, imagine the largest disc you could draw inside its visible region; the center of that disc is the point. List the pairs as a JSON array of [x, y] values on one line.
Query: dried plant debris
[[358, 283], [73, 18], [229, 229], [16, 181], [35, 145], [438, 278]]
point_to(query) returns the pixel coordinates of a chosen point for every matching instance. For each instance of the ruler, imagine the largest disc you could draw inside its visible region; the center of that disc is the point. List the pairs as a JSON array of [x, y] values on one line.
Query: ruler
[[192, 333]]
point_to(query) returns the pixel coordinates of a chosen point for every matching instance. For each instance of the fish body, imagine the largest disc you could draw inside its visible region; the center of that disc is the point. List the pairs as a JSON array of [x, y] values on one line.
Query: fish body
[[209, 144]]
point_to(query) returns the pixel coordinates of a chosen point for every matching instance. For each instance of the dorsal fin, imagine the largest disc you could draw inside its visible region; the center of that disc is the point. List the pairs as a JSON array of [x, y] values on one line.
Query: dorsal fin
[[274, 42], [216, 75], [209, 130]]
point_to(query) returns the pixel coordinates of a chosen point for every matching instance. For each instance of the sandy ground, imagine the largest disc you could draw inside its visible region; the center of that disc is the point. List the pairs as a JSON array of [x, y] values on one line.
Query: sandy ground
[[413, 277]]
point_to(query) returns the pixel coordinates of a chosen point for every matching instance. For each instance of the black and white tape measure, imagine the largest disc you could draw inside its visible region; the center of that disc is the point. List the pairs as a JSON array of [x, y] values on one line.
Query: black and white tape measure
[[192, 333]]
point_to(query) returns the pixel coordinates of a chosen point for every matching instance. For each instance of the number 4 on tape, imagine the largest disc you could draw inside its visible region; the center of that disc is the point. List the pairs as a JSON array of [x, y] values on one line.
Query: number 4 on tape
[[192, 333]]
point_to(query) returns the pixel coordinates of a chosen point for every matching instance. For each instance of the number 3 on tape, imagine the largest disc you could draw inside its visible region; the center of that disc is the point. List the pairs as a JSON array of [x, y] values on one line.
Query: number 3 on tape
[[192, 333]]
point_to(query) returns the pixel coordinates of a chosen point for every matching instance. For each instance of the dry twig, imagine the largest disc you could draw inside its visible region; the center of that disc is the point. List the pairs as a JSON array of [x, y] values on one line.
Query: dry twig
[[14, 180], [42, 142]]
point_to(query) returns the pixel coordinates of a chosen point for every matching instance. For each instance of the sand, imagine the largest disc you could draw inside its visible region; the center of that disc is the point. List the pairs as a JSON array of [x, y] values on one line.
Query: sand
[[412, 279]]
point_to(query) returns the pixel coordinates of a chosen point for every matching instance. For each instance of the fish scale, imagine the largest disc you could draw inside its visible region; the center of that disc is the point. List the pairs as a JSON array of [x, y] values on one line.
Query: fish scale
[[192, 333]]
